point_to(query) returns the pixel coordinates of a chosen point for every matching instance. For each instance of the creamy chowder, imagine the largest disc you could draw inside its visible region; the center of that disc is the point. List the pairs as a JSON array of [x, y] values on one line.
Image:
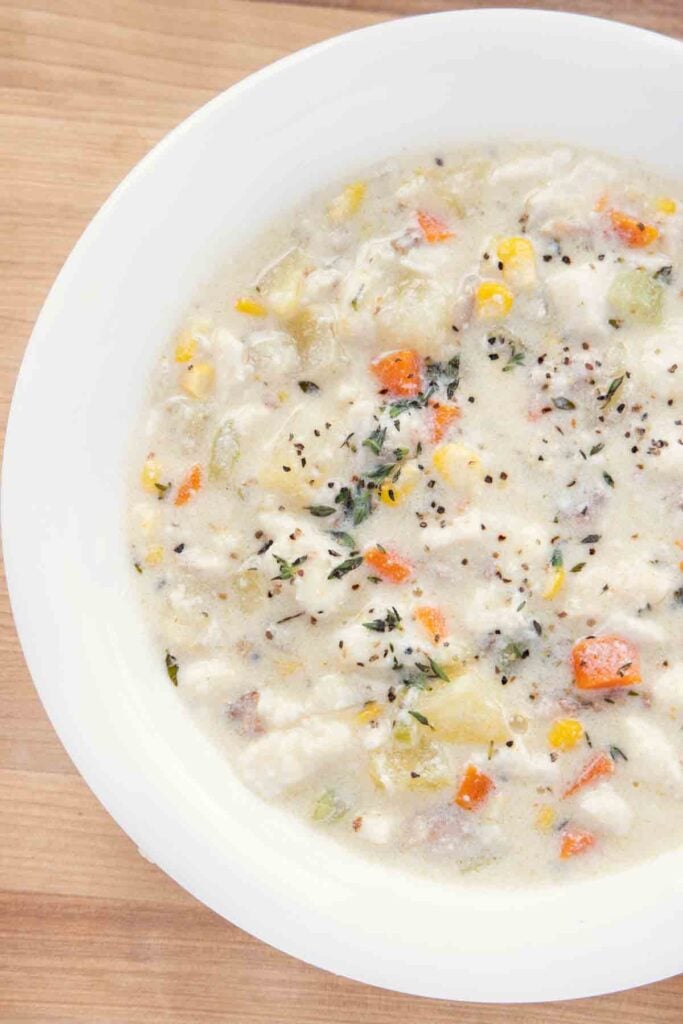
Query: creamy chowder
[[406, 513]]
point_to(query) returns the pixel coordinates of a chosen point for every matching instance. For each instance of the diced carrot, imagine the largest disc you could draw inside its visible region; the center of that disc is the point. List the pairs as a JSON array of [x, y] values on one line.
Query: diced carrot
[[388, 565], [600, 766], [575, 841], [432, 620], [433, 229], [632, 232], [399, 372], [474, 789], [189, 487], [603, 662], [443, 415]]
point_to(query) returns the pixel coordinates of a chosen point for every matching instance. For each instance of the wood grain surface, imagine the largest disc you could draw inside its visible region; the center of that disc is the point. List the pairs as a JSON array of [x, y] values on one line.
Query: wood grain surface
[[90, 931]]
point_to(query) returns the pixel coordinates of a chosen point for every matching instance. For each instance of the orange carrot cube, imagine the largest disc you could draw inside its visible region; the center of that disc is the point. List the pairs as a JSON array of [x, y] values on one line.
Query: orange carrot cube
[[399, 372], [603, 662]]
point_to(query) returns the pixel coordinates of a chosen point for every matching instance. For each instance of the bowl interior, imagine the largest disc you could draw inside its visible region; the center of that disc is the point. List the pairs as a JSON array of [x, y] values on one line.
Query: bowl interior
[[222, 176]]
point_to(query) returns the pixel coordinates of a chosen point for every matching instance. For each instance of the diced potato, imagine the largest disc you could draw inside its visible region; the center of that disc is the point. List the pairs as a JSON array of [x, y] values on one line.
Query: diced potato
[[225, 451], [313, 331], [250, 307], [422, 766], [493, 300], [291, 481], [280, 286], [198, 380], [150, 475], [635, 296], [413, 314], [461, 714], [395, 492], [249, 588], [347, 203], [459, 467], [517, 257]]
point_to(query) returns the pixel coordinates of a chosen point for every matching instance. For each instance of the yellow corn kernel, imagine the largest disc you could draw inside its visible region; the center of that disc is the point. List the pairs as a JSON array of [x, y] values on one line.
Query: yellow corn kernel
[[150, 475], [565, 734], [287, 666], [493, 300], [517, 257], [453, 461], [394, 492], [198, 381], [555, 585], [370, 711], [186, 348], [545, 819], [250, 307], [402, 733], [348, 202], [154, 555], [665, 205]]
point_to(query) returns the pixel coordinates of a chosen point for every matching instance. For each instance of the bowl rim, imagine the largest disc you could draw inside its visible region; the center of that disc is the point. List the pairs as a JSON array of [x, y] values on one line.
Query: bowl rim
[[305, 946]]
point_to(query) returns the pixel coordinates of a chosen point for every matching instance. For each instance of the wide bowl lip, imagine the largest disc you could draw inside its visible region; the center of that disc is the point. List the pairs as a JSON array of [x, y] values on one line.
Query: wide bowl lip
[[334, 958]]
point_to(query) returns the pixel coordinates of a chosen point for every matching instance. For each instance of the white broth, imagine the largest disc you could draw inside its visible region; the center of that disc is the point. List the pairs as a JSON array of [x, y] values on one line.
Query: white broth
[[406, 513]]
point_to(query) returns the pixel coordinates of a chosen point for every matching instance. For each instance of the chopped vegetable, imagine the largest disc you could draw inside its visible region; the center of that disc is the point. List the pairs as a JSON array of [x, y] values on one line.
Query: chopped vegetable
[[545, 818], [389, 565], [433, 621], [399, 373], [433, 230], [329, 807], [666, 206], [154, 555], [347, 203], [370, 711], [555, 585], [461, 713], [600, 767], [394, 492], [493, 300], [345, 567], [457, 464], [565, 734], [224, 451], [604, 662], [474, 789], [198, 380], [189, 486], [411, 765], [150, 475], [574, 842], [186, 348], [250, 307], [517, 256], [444, 415], [632, 232], [635, 295]]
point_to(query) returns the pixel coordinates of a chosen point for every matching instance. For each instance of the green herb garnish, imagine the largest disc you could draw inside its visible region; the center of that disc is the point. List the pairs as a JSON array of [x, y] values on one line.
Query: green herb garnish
[[390, 622], [556, 559], [563, 403], [345, 539], [375, 440], [612, 389], [347, 566], [422, 719], [308, 387], [286, 568], [616, 753], [596, 448], [320, 511], [172, 667], [516, 359], [608, 479]]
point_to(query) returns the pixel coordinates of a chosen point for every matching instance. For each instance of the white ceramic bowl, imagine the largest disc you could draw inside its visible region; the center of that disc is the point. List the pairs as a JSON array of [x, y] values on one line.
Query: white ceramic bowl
[[215, 180]]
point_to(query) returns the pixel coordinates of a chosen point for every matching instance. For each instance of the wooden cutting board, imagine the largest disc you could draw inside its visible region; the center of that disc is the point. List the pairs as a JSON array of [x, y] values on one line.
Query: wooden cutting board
[[90, 931]]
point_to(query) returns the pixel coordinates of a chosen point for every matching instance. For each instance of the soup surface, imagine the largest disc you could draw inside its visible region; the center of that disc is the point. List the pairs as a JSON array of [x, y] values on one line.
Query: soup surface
[[407, 513]]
